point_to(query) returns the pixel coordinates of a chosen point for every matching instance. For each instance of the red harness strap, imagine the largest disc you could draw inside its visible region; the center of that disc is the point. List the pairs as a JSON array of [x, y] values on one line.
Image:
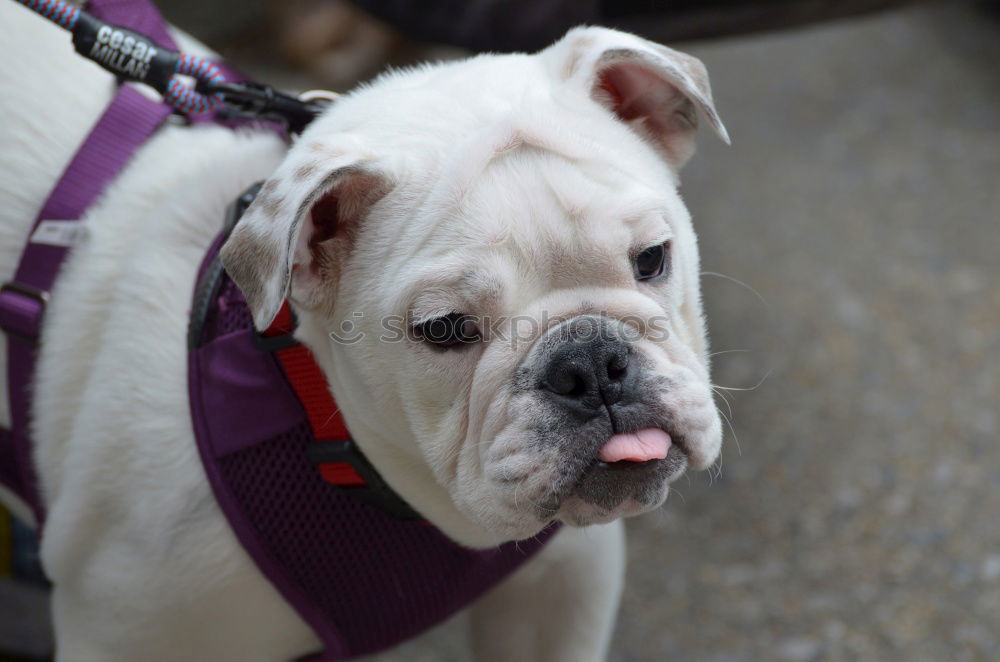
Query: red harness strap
[[335, 454], [309, 384]]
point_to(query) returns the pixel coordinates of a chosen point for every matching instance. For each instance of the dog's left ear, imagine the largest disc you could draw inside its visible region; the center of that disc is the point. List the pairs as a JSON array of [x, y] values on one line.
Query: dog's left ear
[[654, 89], [294, 238]]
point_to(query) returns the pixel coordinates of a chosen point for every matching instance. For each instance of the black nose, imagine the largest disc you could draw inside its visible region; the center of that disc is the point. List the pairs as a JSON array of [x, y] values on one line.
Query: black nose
[[588, 373]]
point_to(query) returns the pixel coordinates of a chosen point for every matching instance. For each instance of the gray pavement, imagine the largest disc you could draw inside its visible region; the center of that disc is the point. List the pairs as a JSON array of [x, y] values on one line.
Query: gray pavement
[[858, 517]]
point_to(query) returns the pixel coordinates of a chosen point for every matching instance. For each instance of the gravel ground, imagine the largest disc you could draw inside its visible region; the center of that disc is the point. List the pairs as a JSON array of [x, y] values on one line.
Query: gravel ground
[[858, 516]]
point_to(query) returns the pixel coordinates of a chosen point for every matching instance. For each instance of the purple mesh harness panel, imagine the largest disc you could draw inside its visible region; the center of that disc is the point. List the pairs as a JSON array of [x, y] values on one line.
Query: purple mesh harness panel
[[362, 580]]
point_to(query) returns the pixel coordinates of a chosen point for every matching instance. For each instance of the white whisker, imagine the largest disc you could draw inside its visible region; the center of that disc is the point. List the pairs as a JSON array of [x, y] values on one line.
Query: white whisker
[[733, 430], [728, 351], [752, 388], [725, 398], [738, 282]]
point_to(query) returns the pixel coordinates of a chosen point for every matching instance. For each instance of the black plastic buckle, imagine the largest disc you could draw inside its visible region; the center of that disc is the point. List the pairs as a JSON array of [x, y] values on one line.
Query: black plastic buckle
[[274, 343], [375, 492], [257, 101]]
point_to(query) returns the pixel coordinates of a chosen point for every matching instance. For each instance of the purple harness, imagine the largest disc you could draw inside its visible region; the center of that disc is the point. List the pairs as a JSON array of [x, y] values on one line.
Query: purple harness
[[363, 579]]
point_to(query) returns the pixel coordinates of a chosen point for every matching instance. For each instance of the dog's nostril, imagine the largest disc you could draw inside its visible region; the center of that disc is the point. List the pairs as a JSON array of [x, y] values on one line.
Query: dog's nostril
[[617, 366], [567, 378], [578, 390]]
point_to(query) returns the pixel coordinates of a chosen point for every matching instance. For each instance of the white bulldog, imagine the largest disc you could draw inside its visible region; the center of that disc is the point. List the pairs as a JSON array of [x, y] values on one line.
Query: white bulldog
[[518, 213]]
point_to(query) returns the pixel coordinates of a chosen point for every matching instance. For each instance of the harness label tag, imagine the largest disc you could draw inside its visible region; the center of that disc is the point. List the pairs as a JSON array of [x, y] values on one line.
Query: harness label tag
[[59, 233]]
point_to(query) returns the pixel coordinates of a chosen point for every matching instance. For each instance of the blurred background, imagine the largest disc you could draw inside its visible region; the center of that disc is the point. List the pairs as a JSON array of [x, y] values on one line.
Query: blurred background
[[851, 245]]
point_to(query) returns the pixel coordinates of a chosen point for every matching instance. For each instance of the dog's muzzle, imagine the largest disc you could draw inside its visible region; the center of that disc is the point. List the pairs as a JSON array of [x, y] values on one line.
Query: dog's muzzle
[[589, 371], [597, 415]]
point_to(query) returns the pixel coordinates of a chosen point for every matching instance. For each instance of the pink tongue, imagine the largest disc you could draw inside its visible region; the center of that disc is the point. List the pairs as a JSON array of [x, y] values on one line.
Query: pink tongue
[[647, 444]]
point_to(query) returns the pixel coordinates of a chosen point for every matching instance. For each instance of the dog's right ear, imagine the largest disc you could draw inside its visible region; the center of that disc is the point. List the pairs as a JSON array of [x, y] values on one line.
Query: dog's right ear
[[293, 239], [657, 91]]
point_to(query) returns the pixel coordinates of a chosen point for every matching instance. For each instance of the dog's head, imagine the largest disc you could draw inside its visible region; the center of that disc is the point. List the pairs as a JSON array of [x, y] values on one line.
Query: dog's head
[[492, 263]]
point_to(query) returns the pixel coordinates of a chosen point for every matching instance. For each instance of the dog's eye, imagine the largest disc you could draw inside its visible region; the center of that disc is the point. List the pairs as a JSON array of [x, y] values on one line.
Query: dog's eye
[[652, 262], [452, 330]]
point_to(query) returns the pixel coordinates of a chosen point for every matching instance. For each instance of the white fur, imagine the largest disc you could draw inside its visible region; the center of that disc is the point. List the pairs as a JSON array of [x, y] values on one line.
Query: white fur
[[144, 564]]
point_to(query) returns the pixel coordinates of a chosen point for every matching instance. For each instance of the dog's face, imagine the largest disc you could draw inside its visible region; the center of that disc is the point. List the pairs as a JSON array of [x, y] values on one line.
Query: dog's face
[[492, 263]]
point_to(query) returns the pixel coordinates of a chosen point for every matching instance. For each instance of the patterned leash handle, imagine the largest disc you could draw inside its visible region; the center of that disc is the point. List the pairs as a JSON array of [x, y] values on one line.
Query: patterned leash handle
[[135, 57]]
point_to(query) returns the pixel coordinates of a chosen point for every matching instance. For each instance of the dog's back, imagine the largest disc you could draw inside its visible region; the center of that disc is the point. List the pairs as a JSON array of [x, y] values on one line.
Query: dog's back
[[49, 99], [113, 348]]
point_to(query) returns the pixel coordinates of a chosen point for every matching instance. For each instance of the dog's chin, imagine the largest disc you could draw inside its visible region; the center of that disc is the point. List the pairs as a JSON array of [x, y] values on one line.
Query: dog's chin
[[578, 489], [578, 512], [606, 492], [596, 493]]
